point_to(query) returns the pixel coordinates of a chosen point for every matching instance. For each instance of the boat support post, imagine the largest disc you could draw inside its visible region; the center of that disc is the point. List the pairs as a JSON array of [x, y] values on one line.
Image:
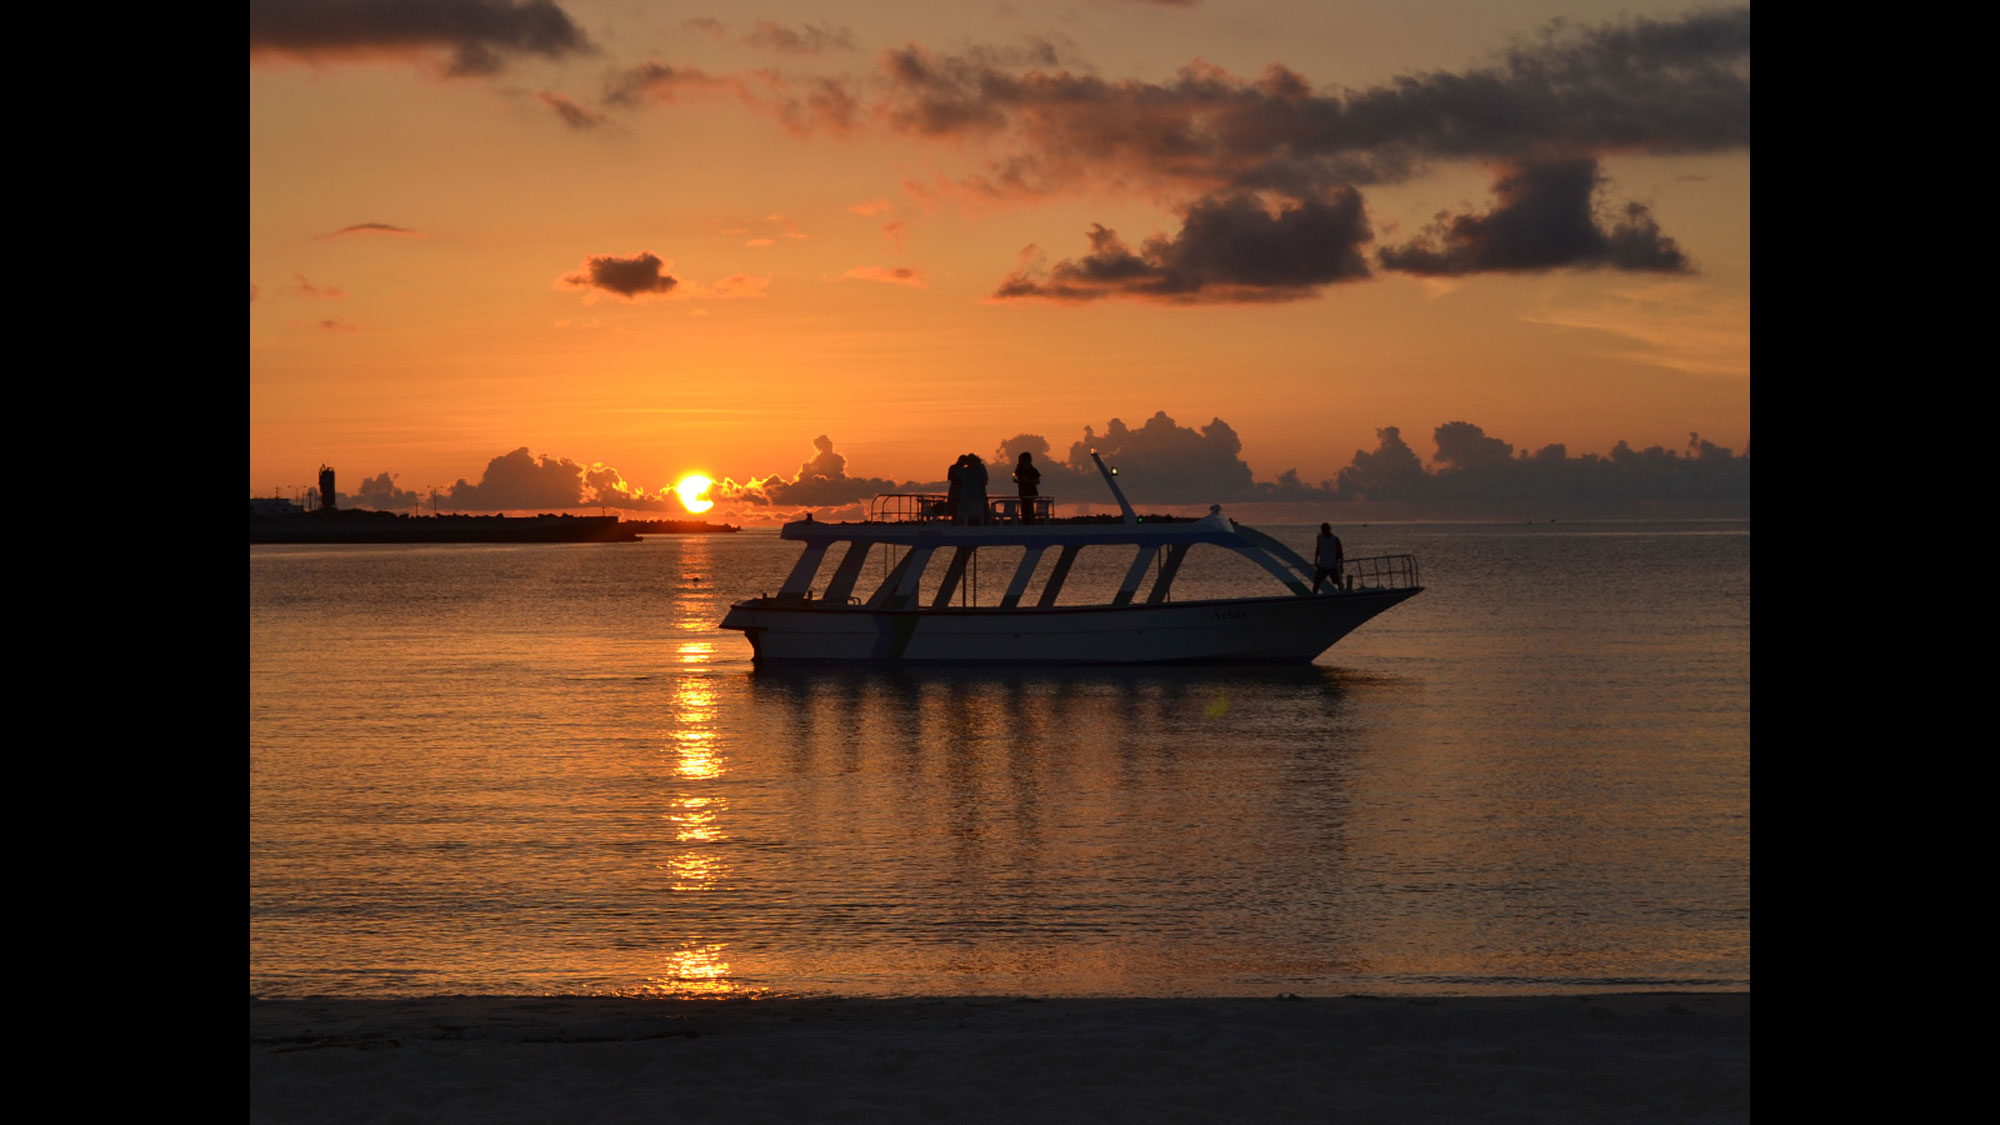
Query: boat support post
[[1133, 576], [844, 575], [799, 583], [952, 576], [1056, 577], [1168, 570], [1019, 585]]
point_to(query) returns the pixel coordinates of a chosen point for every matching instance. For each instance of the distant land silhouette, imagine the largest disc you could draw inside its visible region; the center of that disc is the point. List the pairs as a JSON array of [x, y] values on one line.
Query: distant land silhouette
[[335, 525]]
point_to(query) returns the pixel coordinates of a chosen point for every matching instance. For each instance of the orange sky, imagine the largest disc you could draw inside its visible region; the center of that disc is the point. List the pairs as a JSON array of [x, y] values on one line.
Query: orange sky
[[841, 198]]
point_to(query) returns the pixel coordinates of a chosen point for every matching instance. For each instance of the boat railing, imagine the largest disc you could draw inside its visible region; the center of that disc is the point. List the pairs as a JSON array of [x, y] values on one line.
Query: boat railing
[[1020, 509], [935, 507], [1380, 572], [908, 507]]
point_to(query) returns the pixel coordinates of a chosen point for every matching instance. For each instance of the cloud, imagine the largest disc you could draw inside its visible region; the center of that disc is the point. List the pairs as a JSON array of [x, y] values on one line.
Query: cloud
[[1161, 462], [300, 287], [802, 107], [1543, 220], [812, 39], [633, 277], [1639, 86], [380, 493], [898, 275], [1229, 249], [369, 228], [335, 324], [737, 286], [821, 482], [633, 85], [573, 115], [517, 481], [477, 33]]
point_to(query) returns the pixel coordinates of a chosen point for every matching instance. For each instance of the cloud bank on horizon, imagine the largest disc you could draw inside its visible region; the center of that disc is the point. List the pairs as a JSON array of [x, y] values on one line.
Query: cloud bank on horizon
[[1160, 462]]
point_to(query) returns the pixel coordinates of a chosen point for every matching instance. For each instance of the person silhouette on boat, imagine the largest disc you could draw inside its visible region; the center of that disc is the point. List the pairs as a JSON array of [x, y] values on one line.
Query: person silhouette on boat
[[954, 496], [1028, 480], [972, 503], [1327, 558]]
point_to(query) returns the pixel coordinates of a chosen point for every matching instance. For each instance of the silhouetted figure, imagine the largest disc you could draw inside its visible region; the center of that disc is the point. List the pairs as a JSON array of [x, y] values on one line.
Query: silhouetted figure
[[974, 489], [954, 496], [1327, 557], [1028, 480]]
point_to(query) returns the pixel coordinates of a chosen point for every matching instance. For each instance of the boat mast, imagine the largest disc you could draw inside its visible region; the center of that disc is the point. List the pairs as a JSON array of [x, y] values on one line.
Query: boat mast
[[1110, 479]]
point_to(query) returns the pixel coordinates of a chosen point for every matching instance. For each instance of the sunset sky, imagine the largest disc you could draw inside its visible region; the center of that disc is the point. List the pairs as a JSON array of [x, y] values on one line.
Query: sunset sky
[[662, 238]]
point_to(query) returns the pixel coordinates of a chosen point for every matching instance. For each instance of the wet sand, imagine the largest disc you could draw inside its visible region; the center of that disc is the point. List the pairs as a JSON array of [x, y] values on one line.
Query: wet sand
[[1611, 1058]]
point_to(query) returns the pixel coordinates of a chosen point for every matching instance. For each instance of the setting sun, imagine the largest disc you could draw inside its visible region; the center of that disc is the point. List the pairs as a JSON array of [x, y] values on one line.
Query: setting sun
[[691, 489]]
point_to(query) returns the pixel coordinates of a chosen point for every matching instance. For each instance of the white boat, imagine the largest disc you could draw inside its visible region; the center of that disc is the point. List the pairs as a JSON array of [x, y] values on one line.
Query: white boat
[[890, 626]]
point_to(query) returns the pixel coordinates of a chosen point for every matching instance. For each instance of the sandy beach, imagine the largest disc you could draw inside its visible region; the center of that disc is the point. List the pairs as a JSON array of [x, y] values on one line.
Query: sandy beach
[[1622, 1058]]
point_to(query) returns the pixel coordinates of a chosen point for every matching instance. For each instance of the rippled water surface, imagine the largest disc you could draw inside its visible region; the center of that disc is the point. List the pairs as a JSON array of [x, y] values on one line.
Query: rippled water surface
[[500, 769]]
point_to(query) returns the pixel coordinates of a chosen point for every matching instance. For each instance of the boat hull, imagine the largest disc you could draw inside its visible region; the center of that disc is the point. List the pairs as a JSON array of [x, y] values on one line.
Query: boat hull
[[1286, 629]]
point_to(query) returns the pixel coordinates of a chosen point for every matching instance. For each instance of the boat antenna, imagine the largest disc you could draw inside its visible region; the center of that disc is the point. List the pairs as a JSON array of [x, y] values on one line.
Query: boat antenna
[[1110, 478]]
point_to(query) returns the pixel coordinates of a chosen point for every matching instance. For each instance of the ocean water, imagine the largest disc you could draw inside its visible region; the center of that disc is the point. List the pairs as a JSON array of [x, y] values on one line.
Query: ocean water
[[542, 769]]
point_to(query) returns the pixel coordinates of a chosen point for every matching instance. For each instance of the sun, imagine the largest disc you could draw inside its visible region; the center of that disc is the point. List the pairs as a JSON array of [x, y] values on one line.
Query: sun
[[691, 488]]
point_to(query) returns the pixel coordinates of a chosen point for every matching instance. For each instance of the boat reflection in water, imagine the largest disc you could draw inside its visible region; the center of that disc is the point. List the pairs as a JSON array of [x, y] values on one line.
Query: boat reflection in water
[[1076, 831]]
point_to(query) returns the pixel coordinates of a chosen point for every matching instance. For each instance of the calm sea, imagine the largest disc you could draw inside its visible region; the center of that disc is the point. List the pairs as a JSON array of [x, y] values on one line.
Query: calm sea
[[542, 769]]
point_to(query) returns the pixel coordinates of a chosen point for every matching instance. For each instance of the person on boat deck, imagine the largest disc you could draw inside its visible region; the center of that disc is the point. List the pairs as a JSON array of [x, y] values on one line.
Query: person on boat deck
[[954, 496], [1029, 480], [974, 477], [1327, 557]]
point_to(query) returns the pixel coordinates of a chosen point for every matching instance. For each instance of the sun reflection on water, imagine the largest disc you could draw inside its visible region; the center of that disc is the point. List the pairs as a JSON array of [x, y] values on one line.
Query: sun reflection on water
[[694, 819], [696, 970]]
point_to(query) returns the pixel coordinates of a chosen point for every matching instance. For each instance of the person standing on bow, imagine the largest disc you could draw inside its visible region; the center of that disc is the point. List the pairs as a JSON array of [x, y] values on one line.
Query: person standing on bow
[[1028, 480], [1327, 558]]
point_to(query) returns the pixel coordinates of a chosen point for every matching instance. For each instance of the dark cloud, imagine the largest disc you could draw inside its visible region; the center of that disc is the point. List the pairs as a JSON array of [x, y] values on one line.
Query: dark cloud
[[1465, 446], [1478, 474], [631, 86], [1544, 219], [380, 493], [478, 33], [821, 482], [1160, 462], [1391, 472], [369, 228], [889, 275], [519, 482], [1643, 85], [573, 115], [1232, 249], [335, 324], [803, 106], [632, 277], [300, 287], [811, 39]]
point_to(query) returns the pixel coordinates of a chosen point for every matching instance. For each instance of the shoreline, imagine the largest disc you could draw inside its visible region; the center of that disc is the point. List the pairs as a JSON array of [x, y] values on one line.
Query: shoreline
[[1590, 1057]]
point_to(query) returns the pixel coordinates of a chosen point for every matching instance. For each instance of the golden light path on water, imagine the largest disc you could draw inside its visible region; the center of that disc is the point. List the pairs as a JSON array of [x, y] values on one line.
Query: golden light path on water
[[1507, 785], [696, 968]]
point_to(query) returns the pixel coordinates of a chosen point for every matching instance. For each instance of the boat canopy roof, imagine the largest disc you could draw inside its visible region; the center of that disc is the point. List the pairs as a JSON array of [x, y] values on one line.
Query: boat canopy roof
[[1212, 528]]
